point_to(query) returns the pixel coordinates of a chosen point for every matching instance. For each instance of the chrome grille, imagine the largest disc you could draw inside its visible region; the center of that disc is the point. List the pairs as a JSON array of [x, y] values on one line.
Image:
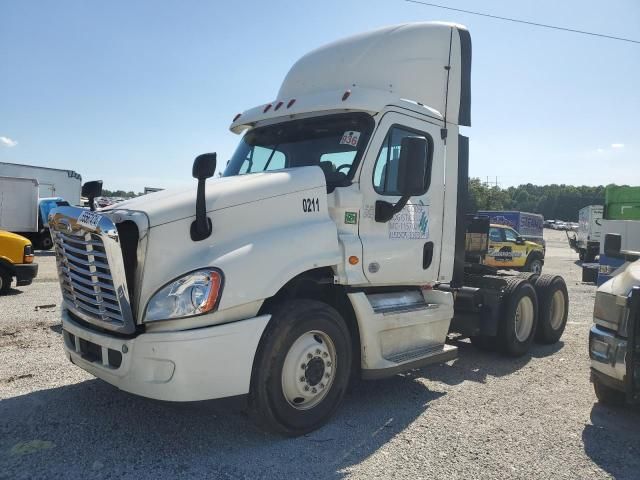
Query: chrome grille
[[91, 270]]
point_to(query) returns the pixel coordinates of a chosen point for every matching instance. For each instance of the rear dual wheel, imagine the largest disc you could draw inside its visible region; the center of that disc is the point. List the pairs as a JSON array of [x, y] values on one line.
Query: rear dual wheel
[[553, 301]]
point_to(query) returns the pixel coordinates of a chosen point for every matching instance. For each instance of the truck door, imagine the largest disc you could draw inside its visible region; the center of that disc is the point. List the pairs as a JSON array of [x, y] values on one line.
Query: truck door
[[405, 250], [504, 252]]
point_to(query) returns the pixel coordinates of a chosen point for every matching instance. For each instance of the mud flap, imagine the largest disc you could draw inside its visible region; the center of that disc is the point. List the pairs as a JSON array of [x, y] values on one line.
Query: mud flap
[[632, 378]]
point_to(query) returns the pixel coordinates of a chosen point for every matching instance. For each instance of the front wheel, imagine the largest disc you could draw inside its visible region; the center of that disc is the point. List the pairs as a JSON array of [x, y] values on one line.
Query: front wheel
[[607, 395], [5, 281], [45, 242], [302, 368]]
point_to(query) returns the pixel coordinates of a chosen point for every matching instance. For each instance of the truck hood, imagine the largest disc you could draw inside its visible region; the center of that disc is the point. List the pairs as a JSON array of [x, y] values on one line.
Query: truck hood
[[222, 192], [622, 283]]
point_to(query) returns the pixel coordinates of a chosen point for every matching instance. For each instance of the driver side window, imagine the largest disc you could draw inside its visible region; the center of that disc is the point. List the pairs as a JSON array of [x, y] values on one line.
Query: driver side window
[[510, 235], [385, 172], [495, 234]]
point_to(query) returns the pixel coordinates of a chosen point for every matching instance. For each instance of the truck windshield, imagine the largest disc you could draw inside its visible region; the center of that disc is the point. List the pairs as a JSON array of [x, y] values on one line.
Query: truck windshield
[[333, 142]]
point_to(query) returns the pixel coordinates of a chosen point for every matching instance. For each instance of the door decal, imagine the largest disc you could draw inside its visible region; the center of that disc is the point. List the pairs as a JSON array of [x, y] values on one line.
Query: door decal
[[410, 223]]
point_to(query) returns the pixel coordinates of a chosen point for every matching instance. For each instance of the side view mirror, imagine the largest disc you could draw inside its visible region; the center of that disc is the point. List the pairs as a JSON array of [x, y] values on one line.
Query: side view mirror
[[204, 166], [414, 174], [91, 190], [519, 240]]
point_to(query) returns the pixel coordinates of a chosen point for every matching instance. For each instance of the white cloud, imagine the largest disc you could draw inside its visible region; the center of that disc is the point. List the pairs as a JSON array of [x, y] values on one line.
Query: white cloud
[[617, 145], [600, 150], [7, 142]]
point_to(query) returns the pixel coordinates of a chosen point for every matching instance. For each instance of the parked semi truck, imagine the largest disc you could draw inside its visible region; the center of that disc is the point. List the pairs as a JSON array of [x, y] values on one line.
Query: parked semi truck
[[586, 241], [52, 182], [333, 245], [614, 339]]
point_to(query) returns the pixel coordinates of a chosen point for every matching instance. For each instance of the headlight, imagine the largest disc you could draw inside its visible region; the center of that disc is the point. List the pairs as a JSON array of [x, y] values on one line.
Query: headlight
[[192, 294]]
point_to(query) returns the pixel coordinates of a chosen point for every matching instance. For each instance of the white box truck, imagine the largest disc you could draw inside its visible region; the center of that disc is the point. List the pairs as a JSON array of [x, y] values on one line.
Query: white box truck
[[332, 247], [18, 204], [586, 241], [53, 182]]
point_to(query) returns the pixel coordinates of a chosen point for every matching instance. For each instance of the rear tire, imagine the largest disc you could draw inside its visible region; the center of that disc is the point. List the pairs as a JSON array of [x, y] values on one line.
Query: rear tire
[[45, 242], [607, 395], [553, 308], [581, 255], [519, 318], [302, 368], [5, 281]]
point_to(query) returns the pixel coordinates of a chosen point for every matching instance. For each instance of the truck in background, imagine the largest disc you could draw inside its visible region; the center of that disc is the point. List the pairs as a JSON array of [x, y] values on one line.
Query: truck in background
[[586, 241], [529, 226], [334, 245], [614, 339], [24, 213], [19, 204], [16, 261], [53, 182]]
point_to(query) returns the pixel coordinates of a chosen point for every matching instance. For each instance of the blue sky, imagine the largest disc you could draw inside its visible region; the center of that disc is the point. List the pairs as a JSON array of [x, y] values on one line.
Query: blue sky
[[131, 91]]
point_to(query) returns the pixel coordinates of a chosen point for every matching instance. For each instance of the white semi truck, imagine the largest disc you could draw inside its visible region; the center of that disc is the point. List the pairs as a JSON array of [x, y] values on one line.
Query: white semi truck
[[333, 246]]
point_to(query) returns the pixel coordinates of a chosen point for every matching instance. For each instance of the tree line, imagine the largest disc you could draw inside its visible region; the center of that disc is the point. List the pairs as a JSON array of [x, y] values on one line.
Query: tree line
[[555, 202]]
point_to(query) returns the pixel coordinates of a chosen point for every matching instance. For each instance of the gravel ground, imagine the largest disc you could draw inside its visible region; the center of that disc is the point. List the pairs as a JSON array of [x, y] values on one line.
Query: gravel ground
[[480, 416]]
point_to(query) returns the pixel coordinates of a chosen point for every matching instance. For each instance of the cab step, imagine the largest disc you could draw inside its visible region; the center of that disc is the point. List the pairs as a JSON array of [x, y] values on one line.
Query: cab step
[[412, 359]]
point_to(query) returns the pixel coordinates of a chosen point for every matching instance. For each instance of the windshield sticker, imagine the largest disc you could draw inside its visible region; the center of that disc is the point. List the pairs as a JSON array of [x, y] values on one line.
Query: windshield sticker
[[350, 138], [410, 223]]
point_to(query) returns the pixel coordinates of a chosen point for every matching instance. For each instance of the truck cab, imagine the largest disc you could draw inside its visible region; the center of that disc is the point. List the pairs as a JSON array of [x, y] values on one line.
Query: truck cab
[[333, 245], [614, 339], [16, 261]]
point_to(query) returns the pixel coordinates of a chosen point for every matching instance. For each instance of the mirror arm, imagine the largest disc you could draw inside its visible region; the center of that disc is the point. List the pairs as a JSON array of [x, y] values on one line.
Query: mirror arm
[[385, 210], [201, 227]]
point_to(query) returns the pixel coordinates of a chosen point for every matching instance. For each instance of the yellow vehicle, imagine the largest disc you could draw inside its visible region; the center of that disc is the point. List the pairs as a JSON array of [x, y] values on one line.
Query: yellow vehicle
[[16, 260], [508, 250]]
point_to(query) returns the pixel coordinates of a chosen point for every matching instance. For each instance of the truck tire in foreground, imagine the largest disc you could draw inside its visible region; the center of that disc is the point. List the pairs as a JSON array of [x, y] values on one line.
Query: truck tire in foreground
[[607, 395], [519, 318], [302, 368], [553, 308]]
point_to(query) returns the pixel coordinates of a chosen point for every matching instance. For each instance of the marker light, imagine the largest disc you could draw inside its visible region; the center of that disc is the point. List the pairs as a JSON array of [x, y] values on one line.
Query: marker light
[[291, 102], [278, 105], [345, 95], [237, 117], [266, 109], [353, 260]]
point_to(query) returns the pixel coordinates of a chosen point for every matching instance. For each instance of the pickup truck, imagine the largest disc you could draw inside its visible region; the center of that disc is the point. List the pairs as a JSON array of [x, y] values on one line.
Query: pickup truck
[[509, 250], [16, 261]]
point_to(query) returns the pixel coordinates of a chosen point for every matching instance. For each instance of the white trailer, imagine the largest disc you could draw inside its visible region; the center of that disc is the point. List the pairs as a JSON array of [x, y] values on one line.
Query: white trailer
[[586, 241], [332, 247], [53, 182], [18, 204]]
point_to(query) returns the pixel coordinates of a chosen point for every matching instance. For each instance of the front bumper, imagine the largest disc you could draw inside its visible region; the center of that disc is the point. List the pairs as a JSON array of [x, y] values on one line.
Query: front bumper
[[607, 352], [200, 364], [25, 273]]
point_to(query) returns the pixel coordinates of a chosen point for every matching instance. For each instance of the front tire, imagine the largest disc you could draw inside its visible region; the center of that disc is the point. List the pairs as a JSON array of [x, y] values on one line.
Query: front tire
[[302, 368], [5, 281], [607, 395], [45, 242], [519, 318], [534, 263]]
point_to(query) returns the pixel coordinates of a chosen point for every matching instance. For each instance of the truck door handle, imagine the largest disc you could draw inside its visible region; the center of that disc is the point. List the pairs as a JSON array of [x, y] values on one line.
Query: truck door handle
[[427, 255]]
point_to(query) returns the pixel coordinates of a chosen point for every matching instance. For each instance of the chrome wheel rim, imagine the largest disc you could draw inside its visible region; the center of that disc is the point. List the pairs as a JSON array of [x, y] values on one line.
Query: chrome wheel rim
[[557, 309], [308, 370], [524, 319]]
